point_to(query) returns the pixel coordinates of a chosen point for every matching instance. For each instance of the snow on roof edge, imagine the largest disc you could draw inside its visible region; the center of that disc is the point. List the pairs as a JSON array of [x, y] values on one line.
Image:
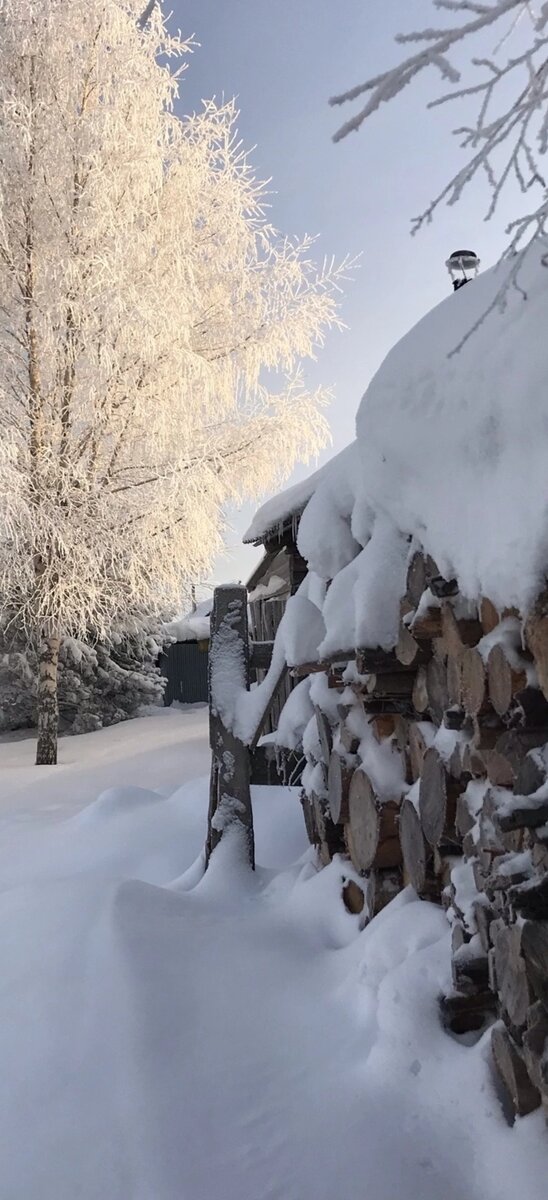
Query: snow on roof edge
[[289, 503]]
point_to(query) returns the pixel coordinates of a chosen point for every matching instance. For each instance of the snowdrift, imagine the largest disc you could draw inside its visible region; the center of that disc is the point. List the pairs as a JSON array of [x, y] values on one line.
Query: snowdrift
[[166, 1035], [451, 452]]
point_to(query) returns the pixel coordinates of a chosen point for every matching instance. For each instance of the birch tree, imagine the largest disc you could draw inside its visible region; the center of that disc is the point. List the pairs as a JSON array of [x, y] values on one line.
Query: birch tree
[[508, 139], [153, 327]]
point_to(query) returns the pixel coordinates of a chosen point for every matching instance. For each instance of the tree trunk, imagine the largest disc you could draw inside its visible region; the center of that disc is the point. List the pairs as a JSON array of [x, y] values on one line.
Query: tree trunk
[[48, 710]]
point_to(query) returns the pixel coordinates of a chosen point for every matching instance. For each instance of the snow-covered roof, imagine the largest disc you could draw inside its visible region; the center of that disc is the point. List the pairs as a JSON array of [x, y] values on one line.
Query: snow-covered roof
[[284, 506], [450, 455], [274, 586], [192, 626]]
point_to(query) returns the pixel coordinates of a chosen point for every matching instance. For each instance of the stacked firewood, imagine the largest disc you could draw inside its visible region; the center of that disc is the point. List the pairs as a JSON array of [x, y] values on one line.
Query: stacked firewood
[[428, 764]]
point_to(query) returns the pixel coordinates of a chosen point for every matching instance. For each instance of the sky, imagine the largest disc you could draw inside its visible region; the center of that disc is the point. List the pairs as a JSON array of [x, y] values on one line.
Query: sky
[[283, 61]]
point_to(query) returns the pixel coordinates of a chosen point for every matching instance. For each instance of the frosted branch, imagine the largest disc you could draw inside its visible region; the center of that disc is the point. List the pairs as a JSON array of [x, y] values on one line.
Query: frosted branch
[[153, 324], [505, 145]]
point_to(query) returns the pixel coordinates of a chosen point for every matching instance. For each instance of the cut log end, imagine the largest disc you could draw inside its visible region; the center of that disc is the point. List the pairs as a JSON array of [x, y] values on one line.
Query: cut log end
[[353, 897], [371, 830], [413, 845]]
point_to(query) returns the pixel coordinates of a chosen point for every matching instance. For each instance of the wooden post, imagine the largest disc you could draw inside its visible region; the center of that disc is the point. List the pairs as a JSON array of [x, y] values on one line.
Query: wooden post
[[230, 792]]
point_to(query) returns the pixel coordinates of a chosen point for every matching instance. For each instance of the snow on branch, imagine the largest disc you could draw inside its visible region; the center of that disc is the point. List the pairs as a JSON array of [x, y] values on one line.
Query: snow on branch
[[510, 133]]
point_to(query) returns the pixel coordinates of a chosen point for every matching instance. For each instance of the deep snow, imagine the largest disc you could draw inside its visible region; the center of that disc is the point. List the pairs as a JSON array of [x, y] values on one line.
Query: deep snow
[[450, 457], [166, 1035]]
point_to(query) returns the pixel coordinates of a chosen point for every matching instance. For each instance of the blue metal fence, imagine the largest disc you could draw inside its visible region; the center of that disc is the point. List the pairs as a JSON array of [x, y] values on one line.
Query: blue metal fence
[[185, 666]]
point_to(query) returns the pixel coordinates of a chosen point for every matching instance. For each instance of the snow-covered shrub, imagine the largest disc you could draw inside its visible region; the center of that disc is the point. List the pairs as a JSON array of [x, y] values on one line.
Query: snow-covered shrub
[[99, 684]]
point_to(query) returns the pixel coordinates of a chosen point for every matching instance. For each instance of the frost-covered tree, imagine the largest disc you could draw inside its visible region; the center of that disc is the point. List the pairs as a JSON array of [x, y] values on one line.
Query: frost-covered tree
[[152, 329], [509, 137]]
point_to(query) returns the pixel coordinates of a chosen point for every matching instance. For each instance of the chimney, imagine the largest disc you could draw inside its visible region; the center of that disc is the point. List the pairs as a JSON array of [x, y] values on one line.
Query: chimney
[[462, 265]]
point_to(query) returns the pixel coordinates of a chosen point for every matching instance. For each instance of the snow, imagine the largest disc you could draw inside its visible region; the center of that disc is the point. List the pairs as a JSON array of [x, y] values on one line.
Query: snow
[[383, 764], [326, 539], [263, 590], [297, 637], [515, 864], [170, 1035], [466, 892], [508, 634], [445, 439], [227, 672], [427, 601], [303, 630], [280, 508], [244, 710], [474, 796], [508, 803], [414, 795], [193, 626], [295, 716], [446, 740]]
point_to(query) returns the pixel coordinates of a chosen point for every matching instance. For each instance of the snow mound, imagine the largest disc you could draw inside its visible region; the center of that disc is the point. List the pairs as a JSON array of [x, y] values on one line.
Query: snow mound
[[453, 445], [172, 1035], [117, 800], [450, 457]]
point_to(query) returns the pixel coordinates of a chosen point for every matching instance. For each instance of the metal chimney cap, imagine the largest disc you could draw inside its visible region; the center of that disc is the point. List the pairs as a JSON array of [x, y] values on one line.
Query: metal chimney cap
[[466, 260]]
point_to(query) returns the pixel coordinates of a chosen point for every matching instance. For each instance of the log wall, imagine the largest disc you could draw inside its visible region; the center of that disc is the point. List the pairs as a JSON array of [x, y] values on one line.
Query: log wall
[[433, 771]]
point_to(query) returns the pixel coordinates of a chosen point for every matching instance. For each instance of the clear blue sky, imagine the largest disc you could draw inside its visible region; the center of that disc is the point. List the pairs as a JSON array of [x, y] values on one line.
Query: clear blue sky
[[282, 61]]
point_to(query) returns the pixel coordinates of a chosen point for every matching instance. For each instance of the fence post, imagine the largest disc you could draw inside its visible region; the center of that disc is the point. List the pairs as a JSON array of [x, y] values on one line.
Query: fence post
[[230, 791]]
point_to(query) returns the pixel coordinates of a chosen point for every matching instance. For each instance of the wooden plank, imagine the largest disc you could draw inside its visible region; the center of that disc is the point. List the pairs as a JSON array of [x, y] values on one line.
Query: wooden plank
[[375, 661], [369, 661], [526, 814], [260, 655], [409, 652], [230, 791], [301, 670]]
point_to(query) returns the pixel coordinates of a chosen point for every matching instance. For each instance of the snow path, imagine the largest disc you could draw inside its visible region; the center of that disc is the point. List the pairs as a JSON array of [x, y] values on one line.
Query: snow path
[[171, 1036]]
